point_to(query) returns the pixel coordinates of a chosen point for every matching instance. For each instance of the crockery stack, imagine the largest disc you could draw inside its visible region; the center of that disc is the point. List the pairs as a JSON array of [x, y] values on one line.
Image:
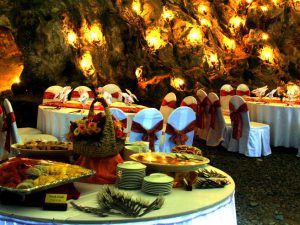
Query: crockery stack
[[130, 175], [157, 183]]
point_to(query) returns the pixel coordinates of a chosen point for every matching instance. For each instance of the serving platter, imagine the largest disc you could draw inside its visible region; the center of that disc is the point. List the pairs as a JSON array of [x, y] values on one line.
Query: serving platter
[[25, 162], [24, 151], [170, 162]]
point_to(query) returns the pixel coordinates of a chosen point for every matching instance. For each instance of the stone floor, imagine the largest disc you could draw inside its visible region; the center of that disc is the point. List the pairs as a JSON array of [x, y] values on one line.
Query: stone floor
[[267, 188]]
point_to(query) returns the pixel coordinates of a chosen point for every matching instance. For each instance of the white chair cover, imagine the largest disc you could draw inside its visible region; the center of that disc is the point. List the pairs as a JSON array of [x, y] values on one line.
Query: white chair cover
[[75, 95], [226, 92], [243, 90], [190, 101], [255, 139], [50, 93], [115, 92], [168, 105], [119, 115], [148, 119], [217, 127], [180, 118], [204, 105], [15, 136]]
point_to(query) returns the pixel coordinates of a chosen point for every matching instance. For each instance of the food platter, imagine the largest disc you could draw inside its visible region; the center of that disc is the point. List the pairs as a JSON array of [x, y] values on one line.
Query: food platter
[[170, 162], [66, 149], [71, 173]]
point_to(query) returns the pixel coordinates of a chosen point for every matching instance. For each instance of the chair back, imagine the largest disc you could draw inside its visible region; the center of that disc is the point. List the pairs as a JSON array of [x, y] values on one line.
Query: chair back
[[168, 105], [119, 115], [202, 121], [243, 90], [51, 93], [147, 125], [216, 121], [190, 101], [180, 128], [115, 92], [226, 92], [12, 129], [75, 95], [240, 132], [3, 154]]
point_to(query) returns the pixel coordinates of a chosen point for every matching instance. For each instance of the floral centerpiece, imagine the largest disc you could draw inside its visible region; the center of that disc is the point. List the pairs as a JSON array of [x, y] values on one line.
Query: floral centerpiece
[[98, 135]]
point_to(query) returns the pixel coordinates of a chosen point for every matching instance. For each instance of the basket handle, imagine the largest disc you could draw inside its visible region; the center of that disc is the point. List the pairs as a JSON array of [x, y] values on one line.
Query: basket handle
[[92, 111]]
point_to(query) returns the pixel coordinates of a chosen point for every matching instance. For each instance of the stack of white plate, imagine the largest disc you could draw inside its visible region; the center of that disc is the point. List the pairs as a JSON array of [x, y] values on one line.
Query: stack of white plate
[[157, 183], [130, 175]]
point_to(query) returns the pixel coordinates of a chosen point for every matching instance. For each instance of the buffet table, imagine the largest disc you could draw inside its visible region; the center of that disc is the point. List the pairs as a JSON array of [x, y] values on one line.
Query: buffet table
[[56, 121], [200, 206], [284, 121]]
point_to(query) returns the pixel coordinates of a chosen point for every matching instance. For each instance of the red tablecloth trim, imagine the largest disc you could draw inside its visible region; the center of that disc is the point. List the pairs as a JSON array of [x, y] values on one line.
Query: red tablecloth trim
[[87, 106]]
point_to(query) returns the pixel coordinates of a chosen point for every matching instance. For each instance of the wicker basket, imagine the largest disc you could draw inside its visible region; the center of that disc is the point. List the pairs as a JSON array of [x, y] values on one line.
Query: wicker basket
[[106, 145]]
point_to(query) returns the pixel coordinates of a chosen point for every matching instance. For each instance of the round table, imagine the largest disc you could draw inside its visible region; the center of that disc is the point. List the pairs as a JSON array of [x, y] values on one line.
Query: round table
[[284, 121], [56, 121], [200, 206]]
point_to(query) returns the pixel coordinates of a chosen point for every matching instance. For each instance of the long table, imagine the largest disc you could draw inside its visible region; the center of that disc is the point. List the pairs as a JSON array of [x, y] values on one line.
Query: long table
[[200, 206], [284, 121]]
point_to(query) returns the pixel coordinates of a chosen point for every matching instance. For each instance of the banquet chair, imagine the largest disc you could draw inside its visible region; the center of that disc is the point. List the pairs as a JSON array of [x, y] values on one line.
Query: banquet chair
[[248, 138], [115, 92], [75, 95], [13, 136], [243, 90], [3, 152], [218, 131], [119, 115], [226, 92], [147, 125], [50, 93], [180, 128], [202, 120], [168, 105], [190, 101]]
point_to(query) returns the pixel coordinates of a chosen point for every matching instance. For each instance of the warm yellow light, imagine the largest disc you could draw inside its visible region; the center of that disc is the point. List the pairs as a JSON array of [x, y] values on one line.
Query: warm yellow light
[[275, 2], [264, 36], [153, 39], [213, 58], [94, 34], [236, 21], [249, 1], [202, 9], [205, 22], [229, 43], [168, 15], [139, 72], [264, 8], [267, 54], [17, 80], [177, 83], [195, 36], [72, 38], [86, 63], [136, 6]]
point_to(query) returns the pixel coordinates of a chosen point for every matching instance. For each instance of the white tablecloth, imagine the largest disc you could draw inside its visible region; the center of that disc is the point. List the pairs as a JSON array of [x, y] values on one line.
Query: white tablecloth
[[57, 121], [200, 206], [284, 122]]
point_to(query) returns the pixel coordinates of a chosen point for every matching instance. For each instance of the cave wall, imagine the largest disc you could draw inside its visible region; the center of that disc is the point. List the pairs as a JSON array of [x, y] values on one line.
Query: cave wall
[[39, 30]]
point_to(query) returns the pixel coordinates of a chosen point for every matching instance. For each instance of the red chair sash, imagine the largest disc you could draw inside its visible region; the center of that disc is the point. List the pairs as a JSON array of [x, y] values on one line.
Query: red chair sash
[[236, 119], [148, 135], [7, 126], [193, 106], [124, 122], [75, 94], [171, 104], [201, 112], [226, 93], [179, 137], [213, 113], [115, 94], [241, 93], [48, 95]]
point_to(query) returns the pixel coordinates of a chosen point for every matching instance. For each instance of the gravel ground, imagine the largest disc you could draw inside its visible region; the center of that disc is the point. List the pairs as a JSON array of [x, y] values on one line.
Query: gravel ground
[[267, 188]]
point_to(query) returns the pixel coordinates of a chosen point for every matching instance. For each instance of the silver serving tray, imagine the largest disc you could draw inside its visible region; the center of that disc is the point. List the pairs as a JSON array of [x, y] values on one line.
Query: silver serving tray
[[27, 191]]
